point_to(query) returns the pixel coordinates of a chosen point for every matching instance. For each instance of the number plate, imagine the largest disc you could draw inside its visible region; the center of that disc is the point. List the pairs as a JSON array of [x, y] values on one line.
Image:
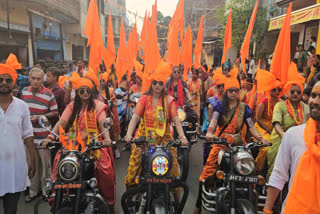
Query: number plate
[[243, 179], [67, 186], [157, 180], [185, 124]]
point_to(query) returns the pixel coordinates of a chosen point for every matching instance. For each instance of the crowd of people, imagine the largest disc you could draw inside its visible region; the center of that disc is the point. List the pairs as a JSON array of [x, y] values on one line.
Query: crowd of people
[[229, 103]]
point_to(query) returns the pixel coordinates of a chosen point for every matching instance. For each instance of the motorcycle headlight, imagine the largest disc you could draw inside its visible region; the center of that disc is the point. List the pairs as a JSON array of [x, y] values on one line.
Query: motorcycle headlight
[[244, 163], [68, 169], [181, 114], [160, 165], [220, 156]]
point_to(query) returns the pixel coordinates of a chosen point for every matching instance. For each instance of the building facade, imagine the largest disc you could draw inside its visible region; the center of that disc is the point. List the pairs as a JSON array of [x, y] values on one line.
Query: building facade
[[42, 29]]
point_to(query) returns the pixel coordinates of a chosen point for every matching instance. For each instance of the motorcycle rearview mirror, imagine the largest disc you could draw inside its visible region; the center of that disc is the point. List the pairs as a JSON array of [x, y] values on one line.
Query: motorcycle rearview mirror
[[45, 123], [107, 123]]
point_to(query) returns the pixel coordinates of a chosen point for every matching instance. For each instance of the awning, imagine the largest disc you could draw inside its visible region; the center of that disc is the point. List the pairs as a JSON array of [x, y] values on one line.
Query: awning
[[297, 17]]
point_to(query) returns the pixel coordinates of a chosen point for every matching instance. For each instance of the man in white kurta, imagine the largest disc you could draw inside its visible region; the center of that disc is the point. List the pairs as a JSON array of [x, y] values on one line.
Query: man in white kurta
[[16, 132]]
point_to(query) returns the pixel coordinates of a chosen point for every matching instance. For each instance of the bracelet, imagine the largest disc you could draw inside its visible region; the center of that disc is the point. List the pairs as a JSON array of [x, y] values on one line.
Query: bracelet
[[267, 211], [50, 137], [210, 129], [183, 137]]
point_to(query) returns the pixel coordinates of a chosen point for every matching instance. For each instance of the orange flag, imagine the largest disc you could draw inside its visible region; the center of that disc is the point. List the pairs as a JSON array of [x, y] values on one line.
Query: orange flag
[[64, 139], [130, 54], [227, 38], [122, 58], [244, 52], [110, 57], [173, 47], [198, 46], [93, 31], [135, 42], [281, 56], [176, 23], [144, 32], [151, 52], [186, 52]]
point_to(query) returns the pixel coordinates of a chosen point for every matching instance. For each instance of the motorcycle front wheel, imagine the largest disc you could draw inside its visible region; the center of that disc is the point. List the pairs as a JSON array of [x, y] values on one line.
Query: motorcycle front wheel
[[64, 210], [101, 207]]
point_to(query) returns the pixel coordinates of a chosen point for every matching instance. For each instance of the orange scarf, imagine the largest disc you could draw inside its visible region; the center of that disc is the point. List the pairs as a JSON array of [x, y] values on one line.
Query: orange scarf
[[292, 114], [304, 195]]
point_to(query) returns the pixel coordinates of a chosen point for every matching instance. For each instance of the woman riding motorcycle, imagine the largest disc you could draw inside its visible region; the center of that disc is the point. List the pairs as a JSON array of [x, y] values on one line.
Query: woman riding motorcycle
[[85, 116], [229, 115], [157, 110], [177, 88]]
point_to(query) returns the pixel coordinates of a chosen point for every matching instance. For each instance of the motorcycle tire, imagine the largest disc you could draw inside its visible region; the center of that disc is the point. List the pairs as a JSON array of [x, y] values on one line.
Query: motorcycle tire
[[244, 206], [64, 210], [158, 207], [102, 206]]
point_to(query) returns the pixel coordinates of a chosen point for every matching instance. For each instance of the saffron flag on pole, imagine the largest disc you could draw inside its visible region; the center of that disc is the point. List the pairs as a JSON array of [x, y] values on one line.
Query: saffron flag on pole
[[227, 38], [198, 46], [110, 57], [281, 57], [244, 52]]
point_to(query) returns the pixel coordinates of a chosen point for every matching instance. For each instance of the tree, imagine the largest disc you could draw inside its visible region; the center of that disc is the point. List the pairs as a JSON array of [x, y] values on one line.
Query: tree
[[241, 14], [162, 29]]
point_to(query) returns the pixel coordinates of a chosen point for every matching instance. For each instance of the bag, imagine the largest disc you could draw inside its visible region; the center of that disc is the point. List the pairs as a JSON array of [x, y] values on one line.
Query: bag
[[205, 120]]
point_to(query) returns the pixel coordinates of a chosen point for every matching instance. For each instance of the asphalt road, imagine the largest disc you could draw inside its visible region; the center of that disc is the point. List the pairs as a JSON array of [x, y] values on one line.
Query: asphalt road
[[195, 164]]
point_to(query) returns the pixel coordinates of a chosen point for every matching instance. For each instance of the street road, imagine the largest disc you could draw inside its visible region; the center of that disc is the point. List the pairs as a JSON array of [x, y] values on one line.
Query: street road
[[121, 170]]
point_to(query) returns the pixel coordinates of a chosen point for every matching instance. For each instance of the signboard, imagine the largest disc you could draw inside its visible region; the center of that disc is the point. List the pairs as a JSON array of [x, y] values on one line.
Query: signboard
[[297, 17]]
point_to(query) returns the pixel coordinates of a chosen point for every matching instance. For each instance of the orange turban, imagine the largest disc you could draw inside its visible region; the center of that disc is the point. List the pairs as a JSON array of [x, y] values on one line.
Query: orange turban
[[10, 66], [90, 74], [266, 81], [162, 72], [220, 79], [75, 77], [289, 85], [84, 82], [231, 83], [62, 80]]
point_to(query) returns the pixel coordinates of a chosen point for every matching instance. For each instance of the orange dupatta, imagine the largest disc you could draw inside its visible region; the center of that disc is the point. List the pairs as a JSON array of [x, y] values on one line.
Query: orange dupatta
[[292, 114], [304, 195]]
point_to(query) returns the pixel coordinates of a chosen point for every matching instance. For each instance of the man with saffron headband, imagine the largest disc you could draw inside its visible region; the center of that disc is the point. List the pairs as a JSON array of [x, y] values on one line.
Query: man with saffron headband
[[298, 162], [292, 112], [16, 135], [157, 110]]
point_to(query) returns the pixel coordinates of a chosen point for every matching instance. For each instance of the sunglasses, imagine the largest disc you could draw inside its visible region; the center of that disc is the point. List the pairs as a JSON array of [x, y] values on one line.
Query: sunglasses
[[220, 86], [8, 81], [82, 91], [276, 89], [155, 82], [293, 91], [233, 90]]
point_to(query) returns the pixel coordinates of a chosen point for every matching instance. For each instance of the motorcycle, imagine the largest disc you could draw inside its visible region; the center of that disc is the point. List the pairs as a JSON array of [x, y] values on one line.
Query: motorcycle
[[189, 122], [153, 193], [235, 189], [122, 104], [75, 190]]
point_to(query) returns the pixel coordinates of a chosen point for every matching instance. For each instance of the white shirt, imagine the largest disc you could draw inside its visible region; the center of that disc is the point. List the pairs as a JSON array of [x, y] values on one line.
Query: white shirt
[[15, 127], [291, 149], [252, 64]]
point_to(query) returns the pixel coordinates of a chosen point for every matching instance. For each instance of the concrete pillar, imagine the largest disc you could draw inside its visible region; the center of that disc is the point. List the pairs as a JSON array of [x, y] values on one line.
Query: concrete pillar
[[30, 54]]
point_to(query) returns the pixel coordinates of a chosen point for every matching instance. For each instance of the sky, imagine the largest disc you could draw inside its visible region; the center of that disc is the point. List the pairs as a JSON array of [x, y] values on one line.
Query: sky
[[167, 7]]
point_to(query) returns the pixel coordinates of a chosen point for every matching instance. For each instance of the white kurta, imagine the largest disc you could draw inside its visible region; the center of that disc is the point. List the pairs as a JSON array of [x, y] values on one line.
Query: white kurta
[[15, 126], [291, 149]]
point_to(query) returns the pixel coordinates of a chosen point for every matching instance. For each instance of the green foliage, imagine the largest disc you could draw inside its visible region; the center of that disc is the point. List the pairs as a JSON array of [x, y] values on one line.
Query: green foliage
[[162, 21], [241, 14]]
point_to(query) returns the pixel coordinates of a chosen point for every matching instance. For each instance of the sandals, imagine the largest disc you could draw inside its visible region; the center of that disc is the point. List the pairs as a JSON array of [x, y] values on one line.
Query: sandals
[[29, 199]]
